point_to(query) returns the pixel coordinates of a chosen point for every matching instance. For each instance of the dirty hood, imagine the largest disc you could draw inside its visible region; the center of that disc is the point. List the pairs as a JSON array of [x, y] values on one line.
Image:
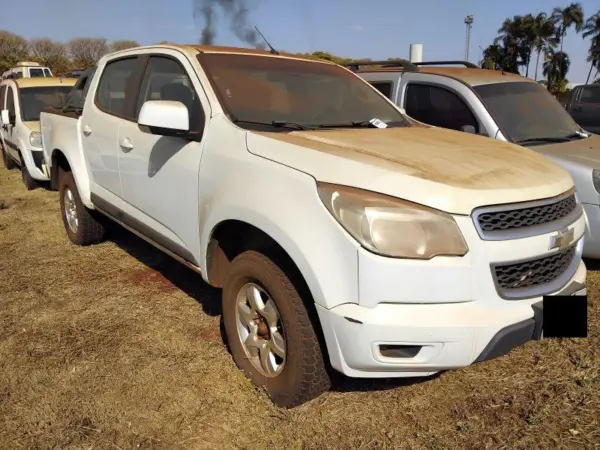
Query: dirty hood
[[584, 151], [448, 170], [33, 126]]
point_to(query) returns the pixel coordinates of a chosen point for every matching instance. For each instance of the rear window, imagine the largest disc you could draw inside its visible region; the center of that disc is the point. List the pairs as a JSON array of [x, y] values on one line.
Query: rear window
[[590, 94], [385, 87]]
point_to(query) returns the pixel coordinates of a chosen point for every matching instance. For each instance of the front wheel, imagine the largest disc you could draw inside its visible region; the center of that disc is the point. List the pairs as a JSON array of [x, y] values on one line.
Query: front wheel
[[270, 333], [82, 226], [29, 182]]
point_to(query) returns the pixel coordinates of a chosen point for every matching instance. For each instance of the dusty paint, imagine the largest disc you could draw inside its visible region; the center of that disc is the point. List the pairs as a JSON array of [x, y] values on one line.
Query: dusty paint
[[33, 126], [588, 149], [443, 156], [43, 82]]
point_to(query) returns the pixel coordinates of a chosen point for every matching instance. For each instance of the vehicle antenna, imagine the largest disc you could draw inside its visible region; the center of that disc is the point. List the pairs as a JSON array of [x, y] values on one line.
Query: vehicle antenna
[[273, 51]]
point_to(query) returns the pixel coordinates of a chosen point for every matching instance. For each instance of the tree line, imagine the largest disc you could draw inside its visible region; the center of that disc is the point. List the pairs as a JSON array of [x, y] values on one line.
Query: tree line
[[521, 37]]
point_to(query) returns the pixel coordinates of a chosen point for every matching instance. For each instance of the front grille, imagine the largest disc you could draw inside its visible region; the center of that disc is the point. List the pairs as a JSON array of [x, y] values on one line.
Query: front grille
[[526, 217], [533, 273]]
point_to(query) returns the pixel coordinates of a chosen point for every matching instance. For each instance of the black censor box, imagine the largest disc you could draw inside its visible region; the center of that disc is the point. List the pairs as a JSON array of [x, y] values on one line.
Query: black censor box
[[564, 316]]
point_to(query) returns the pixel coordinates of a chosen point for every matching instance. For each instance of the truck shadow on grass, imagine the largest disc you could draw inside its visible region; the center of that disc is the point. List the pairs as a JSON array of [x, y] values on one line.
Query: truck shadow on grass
[[167, 275]]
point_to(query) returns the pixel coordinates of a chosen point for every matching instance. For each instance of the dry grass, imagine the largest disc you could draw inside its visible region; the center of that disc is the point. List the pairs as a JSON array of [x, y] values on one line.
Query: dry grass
[[117, 347]]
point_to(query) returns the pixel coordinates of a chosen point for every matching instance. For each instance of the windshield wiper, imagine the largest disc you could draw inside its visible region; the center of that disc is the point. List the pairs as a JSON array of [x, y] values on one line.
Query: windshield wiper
[[353, 124], [275, 124], [543, 139]]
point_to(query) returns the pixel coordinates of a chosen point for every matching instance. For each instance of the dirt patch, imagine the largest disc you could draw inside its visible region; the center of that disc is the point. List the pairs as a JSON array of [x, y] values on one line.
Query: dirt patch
[[110, 347]]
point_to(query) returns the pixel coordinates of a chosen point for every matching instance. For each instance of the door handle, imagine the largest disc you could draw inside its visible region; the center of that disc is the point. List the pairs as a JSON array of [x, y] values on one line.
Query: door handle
[[126, 144], [87, 130]]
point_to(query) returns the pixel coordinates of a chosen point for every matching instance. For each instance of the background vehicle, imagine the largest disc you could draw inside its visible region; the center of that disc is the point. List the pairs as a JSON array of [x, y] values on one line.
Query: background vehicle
[[27, 70], [319, 208], [502, 106], [21, 101], [583, 104]]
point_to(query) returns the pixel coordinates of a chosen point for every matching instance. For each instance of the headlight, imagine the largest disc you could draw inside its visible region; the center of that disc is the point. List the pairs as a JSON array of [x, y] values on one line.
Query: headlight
[[596, 179], [393, 227], [35, 139]]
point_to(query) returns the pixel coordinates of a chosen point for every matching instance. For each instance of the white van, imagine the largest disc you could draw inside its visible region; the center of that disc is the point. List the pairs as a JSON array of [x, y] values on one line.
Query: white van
[[21, 102], [28, 69]]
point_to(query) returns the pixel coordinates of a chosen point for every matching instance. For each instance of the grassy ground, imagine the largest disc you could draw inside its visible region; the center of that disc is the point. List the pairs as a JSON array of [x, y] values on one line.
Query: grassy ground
[[117, 347]]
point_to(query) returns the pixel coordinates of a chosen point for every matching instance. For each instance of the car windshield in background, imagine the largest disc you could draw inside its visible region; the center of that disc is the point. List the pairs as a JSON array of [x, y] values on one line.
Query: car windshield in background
[[34, 99], [527, 112], [294, 93]]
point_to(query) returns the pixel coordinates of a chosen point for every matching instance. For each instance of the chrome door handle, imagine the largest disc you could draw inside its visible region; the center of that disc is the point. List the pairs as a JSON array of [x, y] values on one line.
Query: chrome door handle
[[126, 144], [87, 130]]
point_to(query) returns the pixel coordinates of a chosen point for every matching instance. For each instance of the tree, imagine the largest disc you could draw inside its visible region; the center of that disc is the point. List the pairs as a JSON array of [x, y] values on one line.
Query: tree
[[85, 52], [50, 53], [13, 48], [591, 29], [493, 58], [544, 37], [555, 70], [123, 45], [565, 18], [513, 37]]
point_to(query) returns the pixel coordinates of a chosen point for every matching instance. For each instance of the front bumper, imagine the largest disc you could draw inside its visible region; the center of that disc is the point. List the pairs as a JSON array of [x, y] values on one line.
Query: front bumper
[[437, 336], [34, 161]]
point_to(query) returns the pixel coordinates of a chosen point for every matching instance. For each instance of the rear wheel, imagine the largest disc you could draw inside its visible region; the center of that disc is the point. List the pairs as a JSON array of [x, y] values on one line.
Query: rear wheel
[[270, 333], [81, 224], [7, 160]]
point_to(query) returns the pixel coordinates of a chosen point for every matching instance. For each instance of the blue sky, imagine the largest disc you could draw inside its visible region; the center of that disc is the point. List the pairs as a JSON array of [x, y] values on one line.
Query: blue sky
[[344, 27]]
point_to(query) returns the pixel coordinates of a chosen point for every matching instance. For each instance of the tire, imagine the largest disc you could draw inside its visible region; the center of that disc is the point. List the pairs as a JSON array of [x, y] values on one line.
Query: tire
[[29, 182], [7, 160], [81, 224], [302, 375]]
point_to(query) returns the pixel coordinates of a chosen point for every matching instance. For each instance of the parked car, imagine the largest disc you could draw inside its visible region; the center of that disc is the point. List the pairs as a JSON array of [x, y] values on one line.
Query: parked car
[[340, 230], [26, 69], [500, 105], [21, 101], [583, 103]]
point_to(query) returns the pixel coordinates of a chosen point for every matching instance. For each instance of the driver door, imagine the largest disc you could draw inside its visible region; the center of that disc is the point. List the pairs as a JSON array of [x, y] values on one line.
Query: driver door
[[9, 132]]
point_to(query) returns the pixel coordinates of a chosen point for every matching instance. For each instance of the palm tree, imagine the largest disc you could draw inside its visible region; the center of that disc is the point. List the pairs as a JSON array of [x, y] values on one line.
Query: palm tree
[[591, 29], [544, 37], [555, 70], [565, 18], [492, 58], [512, 36]]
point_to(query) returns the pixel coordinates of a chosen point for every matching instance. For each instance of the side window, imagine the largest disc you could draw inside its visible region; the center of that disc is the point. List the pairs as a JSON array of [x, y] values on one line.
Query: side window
[[385, 87], [439, 107], [79, 92], [590, 95], [112, 91], [166, 79], [2, 96], [10, 100]]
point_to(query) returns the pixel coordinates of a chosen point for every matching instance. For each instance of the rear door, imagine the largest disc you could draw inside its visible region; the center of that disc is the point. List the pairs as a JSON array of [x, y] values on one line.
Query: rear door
[[110, 103], [585, 108]]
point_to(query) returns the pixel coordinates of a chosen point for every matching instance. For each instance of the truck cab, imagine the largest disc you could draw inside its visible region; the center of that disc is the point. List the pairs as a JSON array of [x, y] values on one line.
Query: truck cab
[[584, 106], [460, 96], [26, 69]]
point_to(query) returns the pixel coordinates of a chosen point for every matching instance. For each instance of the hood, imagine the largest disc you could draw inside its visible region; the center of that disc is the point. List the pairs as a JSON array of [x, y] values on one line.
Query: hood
[[444, 169], [33, 126], [584, 151]]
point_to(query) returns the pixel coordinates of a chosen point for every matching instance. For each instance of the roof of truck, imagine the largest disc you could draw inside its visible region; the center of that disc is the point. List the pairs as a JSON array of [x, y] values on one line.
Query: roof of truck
[[43, 81], [193, 49], [470, 76]]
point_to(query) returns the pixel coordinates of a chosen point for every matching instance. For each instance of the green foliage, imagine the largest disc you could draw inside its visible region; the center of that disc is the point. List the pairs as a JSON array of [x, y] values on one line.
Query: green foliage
[[13, 49]]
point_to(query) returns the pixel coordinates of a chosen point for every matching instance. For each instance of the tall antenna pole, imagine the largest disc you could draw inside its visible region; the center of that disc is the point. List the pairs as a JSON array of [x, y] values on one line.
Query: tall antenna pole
[[469, 25]]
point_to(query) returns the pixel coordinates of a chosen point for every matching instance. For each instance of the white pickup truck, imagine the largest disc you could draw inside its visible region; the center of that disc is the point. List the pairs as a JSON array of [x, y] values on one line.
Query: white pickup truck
[[343, 233]]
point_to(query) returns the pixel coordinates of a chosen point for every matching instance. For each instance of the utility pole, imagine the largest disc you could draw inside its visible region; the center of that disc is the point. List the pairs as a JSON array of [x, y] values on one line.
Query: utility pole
[[469, 25]]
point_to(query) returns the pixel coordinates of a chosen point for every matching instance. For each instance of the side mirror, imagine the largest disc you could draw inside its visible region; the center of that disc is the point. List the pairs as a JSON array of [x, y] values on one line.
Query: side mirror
[[468, 129], [165, 118], [5, 117]]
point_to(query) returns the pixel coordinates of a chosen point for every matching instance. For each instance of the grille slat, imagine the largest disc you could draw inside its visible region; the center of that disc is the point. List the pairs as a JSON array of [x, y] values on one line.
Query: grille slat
[[535, 272], [526, 217]]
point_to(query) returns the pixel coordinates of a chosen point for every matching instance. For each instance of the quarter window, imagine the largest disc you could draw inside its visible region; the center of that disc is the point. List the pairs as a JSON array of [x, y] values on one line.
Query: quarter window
[[2, 96], [385, 87], [10, 101], [113, 92], [438, 107]]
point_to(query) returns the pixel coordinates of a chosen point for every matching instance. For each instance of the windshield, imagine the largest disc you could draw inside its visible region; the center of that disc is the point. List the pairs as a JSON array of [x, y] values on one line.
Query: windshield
[[264, 90], [526, 111], [34, 99]]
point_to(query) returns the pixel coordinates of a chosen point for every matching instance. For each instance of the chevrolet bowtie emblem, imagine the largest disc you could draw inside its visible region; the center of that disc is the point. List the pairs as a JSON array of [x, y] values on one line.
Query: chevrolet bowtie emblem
[[563, 239]]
